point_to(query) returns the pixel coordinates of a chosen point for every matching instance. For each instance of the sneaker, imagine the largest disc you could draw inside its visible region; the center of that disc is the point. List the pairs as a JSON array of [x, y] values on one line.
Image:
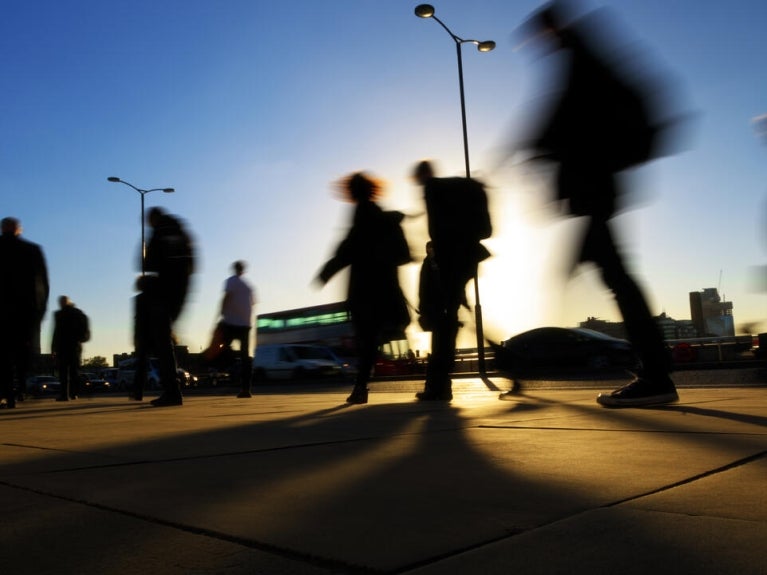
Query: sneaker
[[639, 393], [167, 401], [244, 394]]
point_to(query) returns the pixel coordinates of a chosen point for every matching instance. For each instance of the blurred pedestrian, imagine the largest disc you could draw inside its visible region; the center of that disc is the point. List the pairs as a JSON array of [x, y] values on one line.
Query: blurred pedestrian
[[458, 220], [23, 301], [602, 123], [429, 290], [373, 249], [70, 330], [236, 320], [151, 331], [169, 257]]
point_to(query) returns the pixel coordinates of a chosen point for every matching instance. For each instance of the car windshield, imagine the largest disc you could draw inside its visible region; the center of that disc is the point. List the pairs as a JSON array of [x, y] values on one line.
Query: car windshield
[[308, 352]]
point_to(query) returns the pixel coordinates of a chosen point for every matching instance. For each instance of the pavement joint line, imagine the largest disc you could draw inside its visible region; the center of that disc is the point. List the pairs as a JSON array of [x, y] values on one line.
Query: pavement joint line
[[711, 472], [216, 455], [479, 545], [188, 457], [213, 455], [40, 448], [335, 565], [608, 429], [460, 551]]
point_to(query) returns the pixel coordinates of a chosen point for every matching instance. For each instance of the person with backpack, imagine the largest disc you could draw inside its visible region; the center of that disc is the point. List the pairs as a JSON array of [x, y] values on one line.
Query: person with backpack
[[70, 330], [373, 249], [170, 259], [601, 124], [458, 220]]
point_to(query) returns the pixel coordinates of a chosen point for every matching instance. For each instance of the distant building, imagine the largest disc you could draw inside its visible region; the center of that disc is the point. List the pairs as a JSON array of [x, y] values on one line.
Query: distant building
[[711, 316], [685, 329], [676, 328], [667, 326], [670, 328], [611, 328]]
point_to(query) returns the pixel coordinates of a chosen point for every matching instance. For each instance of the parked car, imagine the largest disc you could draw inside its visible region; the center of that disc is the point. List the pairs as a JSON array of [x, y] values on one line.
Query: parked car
[[40, 385], [348, 365], [127, 372], [294, 361], [557, 347], [388, 366], [186, 378], [91, 383], [110, 374]]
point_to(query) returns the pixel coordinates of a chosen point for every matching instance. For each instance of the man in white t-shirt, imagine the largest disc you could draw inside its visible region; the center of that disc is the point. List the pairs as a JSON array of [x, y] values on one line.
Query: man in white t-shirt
[[236, 318]]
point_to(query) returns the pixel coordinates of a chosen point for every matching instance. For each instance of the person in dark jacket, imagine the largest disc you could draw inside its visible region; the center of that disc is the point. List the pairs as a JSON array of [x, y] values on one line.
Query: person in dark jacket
[[170, 260], [374, 248], [151, 331], [23, 301], [602, 124], [70, 331], [458, 220]]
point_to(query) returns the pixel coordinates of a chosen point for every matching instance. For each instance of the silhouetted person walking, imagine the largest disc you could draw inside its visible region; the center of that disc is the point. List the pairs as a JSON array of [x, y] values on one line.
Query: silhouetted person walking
[[374, 248], [458, 220], [23, 301], [151, 331], [70, 330], [429, 290], [600, 125], [169, 257], [236, 319]]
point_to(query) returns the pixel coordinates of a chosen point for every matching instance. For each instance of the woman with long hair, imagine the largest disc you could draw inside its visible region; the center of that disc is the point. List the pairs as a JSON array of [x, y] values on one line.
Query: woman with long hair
[[374, 248]]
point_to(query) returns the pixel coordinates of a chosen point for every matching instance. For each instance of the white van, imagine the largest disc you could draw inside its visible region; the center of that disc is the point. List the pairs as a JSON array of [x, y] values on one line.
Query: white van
[[294, 361]]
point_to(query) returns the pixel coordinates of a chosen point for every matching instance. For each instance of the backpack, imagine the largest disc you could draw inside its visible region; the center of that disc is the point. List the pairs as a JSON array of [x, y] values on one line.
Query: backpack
[[458, 210], [171, 254], [632, 135], [477, 215], [393, 241], [83, 327]]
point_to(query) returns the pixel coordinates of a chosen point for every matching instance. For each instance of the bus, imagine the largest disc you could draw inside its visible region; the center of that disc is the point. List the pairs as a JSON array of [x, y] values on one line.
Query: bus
[[330, 325]]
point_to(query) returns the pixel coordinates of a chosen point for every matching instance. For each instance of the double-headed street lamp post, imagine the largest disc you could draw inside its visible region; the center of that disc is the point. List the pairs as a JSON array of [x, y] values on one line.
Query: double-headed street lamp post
[[143, 193], [427, 11]]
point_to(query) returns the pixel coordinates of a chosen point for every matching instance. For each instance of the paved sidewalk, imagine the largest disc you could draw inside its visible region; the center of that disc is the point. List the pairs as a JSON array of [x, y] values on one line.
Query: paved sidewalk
[[547, 482]]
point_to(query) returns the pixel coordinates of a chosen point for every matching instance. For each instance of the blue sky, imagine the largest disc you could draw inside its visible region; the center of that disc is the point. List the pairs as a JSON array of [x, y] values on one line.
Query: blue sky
[[252, 109]]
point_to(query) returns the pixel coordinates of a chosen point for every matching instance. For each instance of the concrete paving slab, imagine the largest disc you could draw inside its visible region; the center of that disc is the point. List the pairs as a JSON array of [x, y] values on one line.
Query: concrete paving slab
[[44, 535], [736, 493], [395, 484], [620, 540]]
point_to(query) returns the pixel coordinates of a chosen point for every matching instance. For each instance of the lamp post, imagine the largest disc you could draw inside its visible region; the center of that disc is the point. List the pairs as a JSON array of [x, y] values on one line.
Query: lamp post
[[427, 11], [143, 193]]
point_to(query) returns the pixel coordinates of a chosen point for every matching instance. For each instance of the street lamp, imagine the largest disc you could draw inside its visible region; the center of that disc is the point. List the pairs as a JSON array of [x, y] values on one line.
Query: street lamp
[[143, 193], [427, 11]]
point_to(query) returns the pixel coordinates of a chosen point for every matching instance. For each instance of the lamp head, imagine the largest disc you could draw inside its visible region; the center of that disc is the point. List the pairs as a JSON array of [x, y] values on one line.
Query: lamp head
[[168, 190], [113, 179], [486, 46], [424, 10]]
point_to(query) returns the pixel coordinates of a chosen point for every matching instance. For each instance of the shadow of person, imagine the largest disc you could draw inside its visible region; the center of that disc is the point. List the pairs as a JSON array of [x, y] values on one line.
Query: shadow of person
[[386, 486]]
